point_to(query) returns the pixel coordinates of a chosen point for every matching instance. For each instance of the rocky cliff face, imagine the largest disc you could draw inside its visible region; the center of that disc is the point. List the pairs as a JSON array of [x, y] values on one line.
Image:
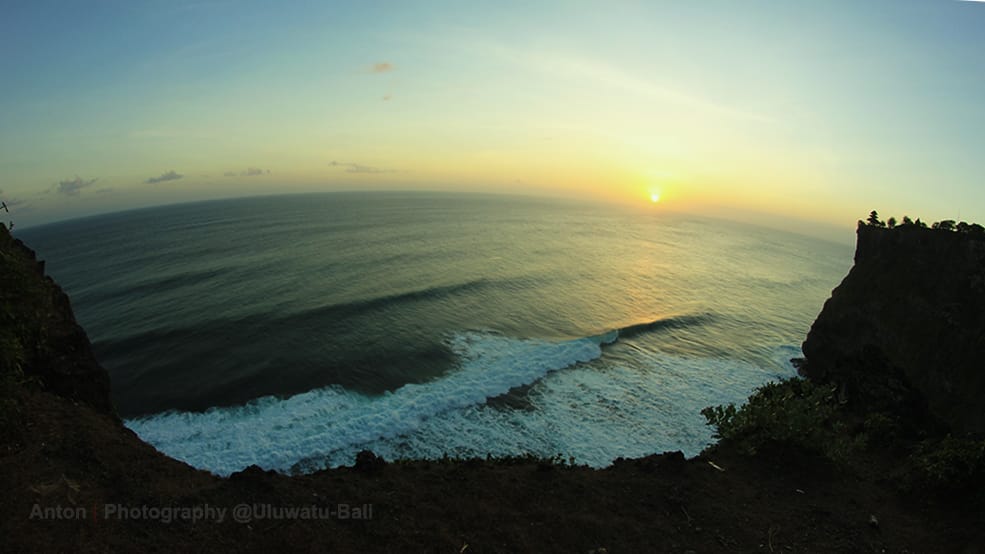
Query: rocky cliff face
[[39, 337], [906, 328]]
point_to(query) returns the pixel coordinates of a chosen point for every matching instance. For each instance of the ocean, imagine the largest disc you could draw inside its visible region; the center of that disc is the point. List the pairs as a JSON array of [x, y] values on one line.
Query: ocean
[[292, 332]]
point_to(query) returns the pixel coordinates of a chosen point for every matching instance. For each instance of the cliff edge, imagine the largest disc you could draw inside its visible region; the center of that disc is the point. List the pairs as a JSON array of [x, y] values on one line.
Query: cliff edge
[[905, 330], [39, 336]]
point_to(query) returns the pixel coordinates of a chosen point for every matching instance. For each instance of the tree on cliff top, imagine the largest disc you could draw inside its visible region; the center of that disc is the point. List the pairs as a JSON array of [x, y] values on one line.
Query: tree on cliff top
[[874, 219]]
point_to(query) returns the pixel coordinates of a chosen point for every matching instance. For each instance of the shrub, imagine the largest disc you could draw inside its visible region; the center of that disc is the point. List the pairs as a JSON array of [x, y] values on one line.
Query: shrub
[[882, 429], [795, 411], [873, 219], [947, 464]]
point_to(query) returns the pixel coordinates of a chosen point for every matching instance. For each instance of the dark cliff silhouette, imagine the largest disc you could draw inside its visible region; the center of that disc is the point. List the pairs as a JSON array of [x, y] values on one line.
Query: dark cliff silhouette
[[40, 336], [906, 328]]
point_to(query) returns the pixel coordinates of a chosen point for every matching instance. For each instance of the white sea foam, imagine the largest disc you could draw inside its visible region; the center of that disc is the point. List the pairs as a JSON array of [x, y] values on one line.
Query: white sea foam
[[594, 412], [277, 433]]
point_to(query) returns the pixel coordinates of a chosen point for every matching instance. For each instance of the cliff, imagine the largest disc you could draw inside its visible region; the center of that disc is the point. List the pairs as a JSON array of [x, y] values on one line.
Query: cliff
[[39, 335], [905, 330]]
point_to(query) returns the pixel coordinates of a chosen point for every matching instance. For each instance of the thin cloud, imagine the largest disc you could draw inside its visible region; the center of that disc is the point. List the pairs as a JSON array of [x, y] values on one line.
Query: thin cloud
[[387, 97], [359, 168], [248, 172], [169, 176], [382, 67], [583, 70], [71, 187]]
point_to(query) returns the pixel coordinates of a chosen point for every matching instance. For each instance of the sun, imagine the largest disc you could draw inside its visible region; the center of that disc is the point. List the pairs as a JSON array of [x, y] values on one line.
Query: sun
[[654, 197]]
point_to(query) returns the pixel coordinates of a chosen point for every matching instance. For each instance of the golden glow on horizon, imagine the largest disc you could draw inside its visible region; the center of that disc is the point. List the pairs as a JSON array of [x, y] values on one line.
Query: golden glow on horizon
[[654, 197]]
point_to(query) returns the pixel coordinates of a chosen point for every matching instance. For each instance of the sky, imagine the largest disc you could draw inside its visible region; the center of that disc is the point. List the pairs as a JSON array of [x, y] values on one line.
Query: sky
[[814, 111]]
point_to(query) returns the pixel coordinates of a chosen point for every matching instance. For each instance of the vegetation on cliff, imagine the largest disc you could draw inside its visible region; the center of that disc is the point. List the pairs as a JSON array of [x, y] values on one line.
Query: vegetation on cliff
[[797, 413], [943, 225]]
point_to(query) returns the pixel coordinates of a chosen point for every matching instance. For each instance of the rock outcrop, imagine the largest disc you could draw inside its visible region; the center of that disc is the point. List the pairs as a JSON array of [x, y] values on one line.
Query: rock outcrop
[[39, 335], [905, 330]]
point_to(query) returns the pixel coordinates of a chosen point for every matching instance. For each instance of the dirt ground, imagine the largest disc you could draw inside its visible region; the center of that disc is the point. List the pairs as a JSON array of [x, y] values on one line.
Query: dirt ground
[[70, 475]]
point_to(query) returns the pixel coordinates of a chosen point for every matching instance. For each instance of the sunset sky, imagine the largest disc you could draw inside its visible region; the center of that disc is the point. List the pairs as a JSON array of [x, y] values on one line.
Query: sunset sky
[[816, 110]]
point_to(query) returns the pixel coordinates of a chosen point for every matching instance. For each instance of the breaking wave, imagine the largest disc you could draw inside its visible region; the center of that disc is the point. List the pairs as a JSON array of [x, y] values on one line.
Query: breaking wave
[[591, 410]]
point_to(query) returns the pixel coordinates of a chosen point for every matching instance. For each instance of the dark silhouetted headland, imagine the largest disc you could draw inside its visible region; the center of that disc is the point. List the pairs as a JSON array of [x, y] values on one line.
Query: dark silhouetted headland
[[906, 327]]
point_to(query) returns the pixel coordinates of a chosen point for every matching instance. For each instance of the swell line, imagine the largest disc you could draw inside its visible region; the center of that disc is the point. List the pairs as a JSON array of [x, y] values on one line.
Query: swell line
[[657, 325], [226, 328]]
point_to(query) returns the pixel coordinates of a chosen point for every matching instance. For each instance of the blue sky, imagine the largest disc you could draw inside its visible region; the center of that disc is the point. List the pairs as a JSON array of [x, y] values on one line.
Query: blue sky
[[820, 111]]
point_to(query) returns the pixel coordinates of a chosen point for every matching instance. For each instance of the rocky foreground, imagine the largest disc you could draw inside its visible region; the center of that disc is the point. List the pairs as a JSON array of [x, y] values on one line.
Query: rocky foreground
[[876, 453]]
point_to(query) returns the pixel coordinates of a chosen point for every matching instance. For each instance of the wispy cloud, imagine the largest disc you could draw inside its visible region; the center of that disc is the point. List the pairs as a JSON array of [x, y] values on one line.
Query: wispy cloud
[[168, 176], [359, 168], [248, 172], [583, 70], [614, 77], [382, 67], [71, 187]]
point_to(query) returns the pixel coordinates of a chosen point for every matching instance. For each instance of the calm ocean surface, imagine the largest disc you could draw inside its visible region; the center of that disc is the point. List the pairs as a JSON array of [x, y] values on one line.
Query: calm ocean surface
[[292, 332]]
